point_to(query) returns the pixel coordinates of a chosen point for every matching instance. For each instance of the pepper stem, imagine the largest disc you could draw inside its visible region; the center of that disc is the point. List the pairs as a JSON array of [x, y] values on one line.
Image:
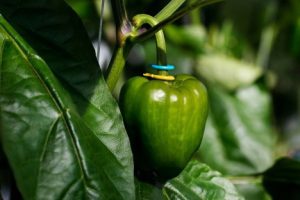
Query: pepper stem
[[161, 49]]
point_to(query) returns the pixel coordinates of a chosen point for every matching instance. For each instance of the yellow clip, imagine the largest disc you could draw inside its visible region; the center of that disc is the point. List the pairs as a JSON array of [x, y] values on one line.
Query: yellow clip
[[159, 77]]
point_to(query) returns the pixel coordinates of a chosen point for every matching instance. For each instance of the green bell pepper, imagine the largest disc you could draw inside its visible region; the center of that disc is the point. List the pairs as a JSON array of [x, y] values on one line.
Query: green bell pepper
[[165, 121]]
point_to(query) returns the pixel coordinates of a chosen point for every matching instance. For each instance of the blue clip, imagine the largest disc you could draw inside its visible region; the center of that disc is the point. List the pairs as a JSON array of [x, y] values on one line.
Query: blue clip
[[163, 67]]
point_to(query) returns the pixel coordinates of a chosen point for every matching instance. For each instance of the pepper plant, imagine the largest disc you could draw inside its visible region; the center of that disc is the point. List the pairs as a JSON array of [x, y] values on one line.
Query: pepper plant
[[62, 133]]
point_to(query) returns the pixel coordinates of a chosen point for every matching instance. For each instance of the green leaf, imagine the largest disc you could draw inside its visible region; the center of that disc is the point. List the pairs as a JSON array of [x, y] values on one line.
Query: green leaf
[[62, 131], [227, 71], [238, 137], [198, 181], [282, 180], [145, 191]]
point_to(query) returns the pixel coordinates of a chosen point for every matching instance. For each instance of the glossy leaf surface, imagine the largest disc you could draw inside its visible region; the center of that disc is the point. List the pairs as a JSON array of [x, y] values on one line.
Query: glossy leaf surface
[[62, 132]]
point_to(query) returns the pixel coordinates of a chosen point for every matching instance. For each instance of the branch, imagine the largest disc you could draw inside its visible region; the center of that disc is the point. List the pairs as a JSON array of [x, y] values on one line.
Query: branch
[[169, 9], [172, 18]]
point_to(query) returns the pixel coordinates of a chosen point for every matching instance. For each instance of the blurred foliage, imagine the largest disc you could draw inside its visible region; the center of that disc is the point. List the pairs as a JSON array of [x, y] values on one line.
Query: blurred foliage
[[252, 190], [235, 142], [226, 71]]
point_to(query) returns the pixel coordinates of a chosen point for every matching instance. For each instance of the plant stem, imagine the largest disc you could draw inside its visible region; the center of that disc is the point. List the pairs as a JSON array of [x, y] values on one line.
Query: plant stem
[[121, 52], [267, 39], [194, 16], [125, 30], [122, 48], [169, 9], [161, 50], [116, 65], [174, 17], [123, 26]]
